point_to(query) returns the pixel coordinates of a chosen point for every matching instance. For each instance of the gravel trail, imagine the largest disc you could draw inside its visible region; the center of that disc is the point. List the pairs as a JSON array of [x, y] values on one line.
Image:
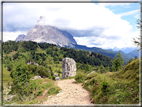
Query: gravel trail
[[71, 93]]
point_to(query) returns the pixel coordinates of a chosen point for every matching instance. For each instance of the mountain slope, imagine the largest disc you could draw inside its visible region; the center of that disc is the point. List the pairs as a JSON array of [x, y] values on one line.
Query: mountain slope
[[20, 37], [125, 49], [56, 53], [109, 53], [133, 53], [120, 87]]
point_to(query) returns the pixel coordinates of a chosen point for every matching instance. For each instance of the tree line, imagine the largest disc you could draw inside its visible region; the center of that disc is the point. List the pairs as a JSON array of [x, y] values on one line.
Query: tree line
[[56, 53]]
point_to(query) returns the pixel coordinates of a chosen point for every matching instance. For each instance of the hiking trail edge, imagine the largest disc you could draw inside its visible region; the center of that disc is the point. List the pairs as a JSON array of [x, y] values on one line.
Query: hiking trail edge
[[71, 93]]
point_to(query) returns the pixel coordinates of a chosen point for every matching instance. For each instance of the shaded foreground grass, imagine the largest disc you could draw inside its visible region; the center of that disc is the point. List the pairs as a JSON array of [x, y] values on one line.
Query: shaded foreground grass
[[121, 87], [34, 92], [6, 76]]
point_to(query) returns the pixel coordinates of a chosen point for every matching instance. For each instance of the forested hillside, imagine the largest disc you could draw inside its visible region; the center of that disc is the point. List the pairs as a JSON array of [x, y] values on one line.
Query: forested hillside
[[108, 53], [29, 49]]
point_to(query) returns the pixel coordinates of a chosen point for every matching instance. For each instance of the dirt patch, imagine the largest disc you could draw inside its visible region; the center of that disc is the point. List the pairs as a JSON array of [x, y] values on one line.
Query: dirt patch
[[71, 93]]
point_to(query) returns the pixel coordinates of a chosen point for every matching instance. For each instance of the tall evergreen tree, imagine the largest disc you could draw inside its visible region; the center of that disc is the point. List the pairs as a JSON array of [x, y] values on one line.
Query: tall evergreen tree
[[118, 62], [136, 57], [102, 69], [87, 68]]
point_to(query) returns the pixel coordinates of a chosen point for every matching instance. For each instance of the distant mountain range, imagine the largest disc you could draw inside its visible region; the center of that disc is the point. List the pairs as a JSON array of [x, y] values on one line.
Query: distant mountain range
[[133, 53], [109, 53], [53, 35], [125, 50]]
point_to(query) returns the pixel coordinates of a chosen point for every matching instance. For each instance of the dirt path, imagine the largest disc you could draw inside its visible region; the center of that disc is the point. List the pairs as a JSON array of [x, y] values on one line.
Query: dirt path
[[71, 93]]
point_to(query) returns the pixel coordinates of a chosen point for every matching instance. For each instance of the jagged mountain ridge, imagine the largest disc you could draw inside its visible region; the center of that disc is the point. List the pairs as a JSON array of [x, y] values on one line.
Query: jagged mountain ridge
[[20, 37], [48, 34]]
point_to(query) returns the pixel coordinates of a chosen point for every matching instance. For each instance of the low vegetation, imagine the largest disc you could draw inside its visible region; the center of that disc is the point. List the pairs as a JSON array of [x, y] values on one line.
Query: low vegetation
[[33, 92], [121, 87]]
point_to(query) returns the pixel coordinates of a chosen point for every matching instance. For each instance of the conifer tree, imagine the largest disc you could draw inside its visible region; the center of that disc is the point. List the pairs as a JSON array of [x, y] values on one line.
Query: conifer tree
[[118, 62], [87, 68], [102, 69]]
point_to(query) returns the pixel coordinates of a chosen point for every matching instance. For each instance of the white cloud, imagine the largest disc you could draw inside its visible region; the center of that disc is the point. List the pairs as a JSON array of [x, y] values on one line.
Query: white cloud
[[89, 17], [137, 16], [129, 13], [11, 35], [109, 43]]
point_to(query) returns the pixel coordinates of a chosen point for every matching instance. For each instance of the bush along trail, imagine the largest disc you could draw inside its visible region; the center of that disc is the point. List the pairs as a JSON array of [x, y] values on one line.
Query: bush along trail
[[71, 93]]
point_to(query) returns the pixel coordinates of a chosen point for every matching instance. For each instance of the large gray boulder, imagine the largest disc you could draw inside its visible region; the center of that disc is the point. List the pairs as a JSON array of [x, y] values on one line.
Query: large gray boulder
[[69, 68]]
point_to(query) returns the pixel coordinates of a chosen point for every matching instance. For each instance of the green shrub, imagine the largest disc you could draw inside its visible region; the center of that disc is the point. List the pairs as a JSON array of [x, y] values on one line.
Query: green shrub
[[40, 92], [53, 90], [46, 85], [91, 75], [80, 77], [104, 87]]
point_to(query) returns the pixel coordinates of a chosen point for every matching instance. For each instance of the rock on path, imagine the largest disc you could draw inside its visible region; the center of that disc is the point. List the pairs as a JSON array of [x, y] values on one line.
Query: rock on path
[[71, 93]]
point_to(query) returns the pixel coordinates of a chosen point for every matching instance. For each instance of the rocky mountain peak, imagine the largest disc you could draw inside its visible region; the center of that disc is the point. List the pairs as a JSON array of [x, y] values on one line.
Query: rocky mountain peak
[[20, 37], [49, 34]]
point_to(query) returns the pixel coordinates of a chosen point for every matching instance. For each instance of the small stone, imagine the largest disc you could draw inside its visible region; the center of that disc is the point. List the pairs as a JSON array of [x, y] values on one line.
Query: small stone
[[57, 78], [37, 77]]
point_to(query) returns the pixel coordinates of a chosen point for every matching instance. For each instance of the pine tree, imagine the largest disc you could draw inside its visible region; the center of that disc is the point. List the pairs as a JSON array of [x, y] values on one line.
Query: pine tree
[[87, 68], [118, 62], [136, 57], [20, 76], [102, 69]]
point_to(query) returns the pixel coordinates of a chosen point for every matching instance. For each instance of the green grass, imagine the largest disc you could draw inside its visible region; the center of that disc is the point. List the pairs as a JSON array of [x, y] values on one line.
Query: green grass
[[36, 88], [121, 87], [53, 90], [6, 76], [39, 50]]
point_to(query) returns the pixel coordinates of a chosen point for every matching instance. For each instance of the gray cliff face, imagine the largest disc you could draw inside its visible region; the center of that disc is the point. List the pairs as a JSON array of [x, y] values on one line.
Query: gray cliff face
[[20, 37], [49, 34], [69, 68]]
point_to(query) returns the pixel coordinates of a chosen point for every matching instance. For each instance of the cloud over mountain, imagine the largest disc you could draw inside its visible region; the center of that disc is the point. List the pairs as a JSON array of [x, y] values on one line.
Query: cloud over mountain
[[48, 34], [81, 20]]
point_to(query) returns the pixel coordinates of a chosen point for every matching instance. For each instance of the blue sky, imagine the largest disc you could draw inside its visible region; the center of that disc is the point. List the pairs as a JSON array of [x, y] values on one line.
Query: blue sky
[[132, 9], [101, 25]]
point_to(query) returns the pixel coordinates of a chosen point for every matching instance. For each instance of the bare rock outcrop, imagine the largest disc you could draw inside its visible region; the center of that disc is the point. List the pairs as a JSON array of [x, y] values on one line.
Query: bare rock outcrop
[[49, 34], [33, 63], [20, 37], [69, 68]]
